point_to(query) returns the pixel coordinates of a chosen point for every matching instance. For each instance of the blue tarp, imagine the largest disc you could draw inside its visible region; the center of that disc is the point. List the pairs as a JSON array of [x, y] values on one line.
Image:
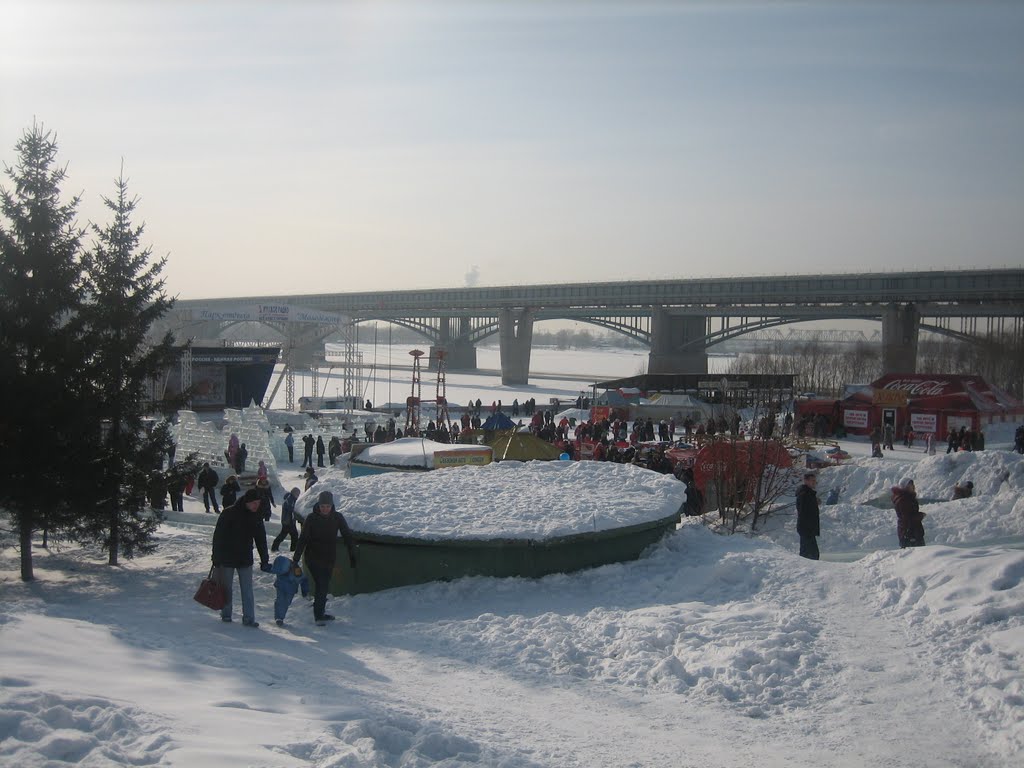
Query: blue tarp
[[498, 421]]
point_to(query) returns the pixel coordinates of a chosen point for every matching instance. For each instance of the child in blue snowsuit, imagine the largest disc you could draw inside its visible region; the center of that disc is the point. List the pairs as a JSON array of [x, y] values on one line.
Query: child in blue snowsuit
[[286, 584]]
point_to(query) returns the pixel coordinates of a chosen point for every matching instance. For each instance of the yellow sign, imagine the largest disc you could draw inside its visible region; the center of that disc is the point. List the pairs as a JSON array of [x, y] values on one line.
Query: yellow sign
[[476, 457], [894, 397]]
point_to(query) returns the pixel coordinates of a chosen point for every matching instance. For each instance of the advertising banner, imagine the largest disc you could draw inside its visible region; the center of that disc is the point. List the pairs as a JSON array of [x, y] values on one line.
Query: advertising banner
[[475, 458], [855, 419], [276, 313], [894, 397], [209, 385], [924, 422]]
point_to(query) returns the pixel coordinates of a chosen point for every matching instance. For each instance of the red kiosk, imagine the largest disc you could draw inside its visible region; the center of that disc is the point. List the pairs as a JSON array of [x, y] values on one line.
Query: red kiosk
[[928, 403]]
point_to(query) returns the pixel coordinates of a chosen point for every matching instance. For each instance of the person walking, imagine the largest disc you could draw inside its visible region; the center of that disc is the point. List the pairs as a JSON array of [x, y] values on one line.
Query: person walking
[[266, 498], [808, 522], [909, 517], [229, 491], [176, 488], [288, 520], [238, 528], [289, 443], [307, 450], [318, 543], [207, 482], [321, 449], [287, 582]]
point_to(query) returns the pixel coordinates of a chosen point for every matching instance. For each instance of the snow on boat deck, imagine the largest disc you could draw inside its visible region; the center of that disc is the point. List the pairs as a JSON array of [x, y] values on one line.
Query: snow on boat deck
[[507, 500]]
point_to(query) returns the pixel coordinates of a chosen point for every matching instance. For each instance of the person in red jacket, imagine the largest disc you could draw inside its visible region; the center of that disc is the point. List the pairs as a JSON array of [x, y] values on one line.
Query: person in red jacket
[[909, 517]]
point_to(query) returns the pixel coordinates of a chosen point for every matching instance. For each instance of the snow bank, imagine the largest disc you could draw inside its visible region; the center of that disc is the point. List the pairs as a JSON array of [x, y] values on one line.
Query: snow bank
[[514, 500], [864, 520], [969, 606]]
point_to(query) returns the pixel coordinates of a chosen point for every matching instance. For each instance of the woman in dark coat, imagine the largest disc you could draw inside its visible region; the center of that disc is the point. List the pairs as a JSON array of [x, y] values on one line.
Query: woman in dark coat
[[229, 491], [909, 517]]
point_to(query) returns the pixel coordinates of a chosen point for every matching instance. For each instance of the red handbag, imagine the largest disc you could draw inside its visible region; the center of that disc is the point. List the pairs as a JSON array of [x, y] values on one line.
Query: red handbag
[[211, 592]]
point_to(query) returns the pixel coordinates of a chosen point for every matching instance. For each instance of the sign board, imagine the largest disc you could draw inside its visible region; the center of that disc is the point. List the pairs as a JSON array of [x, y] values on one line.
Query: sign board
[[209, 384], [855, 419], [891, 397], [599, 413], [279, 313], [472, 458], [924, 422]]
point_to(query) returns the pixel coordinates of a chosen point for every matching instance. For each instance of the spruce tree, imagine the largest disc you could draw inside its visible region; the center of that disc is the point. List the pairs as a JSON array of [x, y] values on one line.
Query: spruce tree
[[41, 341], [125, 297]]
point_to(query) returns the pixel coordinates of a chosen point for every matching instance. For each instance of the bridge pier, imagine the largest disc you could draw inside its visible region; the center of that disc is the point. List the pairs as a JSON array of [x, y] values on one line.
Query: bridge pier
[[515, 337], [677, 343], [461, 351], [899, 338]]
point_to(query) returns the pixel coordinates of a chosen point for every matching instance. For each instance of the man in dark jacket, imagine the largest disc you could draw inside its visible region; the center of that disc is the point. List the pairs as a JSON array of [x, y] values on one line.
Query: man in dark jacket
[[238, 528], [288, 520], [808, 523], [319, 543], [307, 450], [909, 517], [266, 498], [207, 482]]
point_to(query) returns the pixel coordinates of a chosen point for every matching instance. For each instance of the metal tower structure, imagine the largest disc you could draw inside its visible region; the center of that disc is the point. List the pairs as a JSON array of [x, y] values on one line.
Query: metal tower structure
[[186, 370], [412, 403], [351, 367], [441, 391]]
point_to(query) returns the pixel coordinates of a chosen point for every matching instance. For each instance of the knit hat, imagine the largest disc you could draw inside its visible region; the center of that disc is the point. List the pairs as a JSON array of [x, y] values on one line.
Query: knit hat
[[251, 495], [906, 482], [296, 492], [325, 497]]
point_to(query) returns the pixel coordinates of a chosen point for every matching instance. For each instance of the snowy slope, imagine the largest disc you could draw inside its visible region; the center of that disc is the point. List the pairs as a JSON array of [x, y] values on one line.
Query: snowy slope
[[709, 651]]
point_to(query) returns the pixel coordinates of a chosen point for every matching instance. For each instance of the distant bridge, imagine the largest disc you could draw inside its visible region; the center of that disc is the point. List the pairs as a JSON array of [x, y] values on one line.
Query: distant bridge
[[678, 319], [793, 339]]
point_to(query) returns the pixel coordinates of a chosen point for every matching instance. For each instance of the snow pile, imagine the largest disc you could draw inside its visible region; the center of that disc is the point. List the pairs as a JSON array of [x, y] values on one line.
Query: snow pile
[[968, 608], [506, 500], [77, 729], [700, 630], [864, 520], [411, 452]]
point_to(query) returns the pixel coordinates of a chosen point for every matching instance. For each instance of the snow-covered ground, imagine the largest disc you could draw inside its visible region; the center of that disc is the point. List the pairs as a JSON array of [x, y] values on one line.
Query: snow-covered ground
[[708, 651]]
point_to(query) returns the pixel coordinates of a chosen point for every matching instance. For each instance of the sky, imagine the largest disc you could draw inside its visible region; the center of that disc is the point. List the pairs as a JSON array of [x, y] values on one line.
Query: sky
[[403, 145]]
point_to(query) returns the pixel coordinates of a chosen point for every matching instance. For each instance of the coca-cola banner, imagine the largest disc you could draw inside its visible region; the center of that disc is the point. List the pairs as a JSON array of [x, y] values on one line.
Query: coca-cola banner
[[917, 387], [924, 422], [855, 419]]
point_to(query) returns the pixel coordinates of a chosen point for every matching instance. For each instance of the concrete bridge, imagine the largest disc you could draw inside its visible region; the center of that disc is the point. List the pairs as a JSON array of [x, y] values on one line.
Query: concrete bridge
[[678, 319]]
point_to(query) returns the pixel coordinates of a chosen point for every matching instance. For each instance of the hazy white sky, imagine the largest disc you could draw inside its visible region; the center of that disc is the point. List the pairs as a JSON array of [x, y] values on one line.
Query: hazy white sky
[[330, 146]]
